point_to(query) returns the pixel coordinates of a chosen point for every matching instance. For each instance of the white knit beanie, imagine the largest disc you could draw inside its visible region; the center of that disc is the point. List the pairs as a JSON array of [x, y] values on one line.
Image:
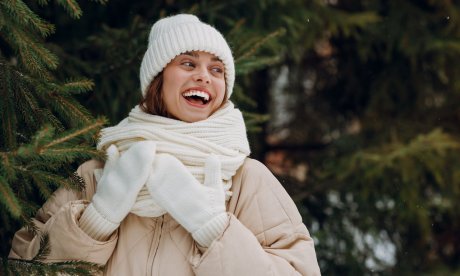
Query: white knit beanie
[[174, 35]]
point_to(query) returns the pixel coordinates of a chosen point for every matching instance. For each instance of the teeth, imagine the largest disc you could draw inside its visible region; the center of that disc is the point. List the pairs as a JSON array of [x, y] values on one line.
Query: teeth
[[201, 94]]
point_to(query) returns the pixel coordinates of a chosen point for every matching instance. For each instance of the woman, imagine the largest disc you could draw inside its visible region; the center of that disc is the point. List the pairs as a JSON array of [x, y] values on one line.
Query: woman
[[178, 194]]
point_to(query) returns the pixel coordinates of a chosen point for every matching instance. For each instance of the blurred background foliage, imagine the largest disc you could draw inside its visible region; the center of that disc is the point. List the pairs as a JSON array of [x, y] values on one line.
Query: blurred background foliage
[[353, 104]]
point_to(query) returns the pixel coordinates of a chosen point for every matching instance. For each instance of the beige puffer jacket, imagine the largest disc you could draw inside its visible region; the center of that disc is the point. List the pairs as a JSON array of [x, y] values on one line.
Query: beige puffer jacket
[[265, 234]]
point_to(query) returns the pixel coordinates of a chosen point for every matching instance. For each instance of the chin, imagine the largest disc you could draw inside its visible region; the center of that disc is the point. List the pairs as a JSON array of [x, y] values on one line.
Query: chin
[[192, 119]]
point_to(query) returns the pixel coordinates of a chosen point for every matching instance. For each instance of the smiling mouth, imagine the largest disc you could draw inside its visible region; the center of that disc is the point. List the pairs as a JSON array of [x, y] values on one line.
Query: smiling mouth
[[197, 97]]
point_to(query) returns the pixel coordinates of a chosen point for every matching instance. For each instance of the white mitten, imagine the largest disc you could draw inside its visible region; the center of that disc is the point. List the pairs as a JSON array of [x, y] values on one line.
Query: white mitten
[[116, 192], [200, 209]]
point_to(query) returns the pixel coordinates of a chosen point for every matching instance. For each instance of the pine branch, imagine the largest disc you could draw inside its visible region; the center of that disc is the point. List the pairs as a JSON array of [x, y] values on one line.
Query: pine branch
[[69, 154], [42, 136], [8, 199], [19, 13], [43, 2], [236, 28], [47, 151], [253, 120], [349, 23], [44, 143], [46, 182], [8, 116], [78, 86], [450, 45], [48, 117], [251, 64], [68, 136], [67, 107], [71, 6], [32, 54], [361, 19], [29, 108], [33, 267], [66, 88], [435, 141], [259, 44], [31, 98], [45, 248], [78, 183], [29, 224]]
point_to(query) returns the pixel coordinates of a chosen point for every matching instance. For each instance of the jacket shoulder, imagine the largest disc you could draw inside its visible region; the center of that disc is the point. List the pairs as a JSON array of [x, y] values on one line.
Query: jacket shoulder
[[261, 202], [256, 177]]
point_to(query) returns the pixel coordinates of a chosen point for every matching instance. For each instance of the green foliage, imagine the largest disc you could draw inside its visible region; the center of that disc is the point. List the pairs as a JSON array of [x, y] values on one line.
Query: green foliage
[[370, 96], [382, 104], [23, 30], [34, 267], [37, 267], [20, 267], [400, 184], [113, 64], [44, 130], [41, 163]]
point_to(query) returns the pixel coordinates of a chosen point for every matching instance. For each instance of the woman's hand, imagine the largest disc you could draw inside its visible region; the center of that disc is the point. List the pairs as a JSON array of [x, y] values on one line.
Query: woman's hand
[[200, 209], [116, 192]]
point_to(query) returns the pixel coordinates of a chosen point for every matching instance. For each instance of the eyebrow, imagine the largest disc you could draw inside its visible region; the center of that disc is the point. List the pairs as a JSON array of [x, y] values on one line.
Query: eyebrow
[[196, 55]]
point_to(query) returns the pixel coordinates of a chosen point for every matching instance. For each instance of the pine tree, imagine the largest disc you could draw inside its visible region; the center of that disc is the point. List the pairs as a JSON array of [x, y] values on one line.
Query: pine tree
[[358, 98], [379, 142], [44, 130], [264, 35], [106, 57]]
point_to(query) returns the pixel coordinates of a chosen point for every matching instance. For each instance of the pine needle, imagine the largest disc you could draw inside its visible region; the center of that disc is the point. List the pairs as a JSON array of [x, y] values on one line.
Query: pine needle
[[45, 248], [261, 42], [72, 7], [97, 124], [20, 13], [8, 199], [78, 86]]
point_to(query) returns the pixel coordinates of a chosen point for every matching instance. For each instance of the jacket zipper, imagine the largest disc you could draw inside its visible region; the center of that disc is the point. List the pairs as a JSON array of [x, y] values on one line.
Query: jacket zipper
[[158, 228]]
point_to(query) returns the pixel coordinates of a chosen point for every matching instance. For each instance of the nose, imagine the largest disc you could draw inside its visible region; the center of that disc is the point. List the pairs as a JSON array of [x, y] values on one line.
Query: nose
[[202, 75]]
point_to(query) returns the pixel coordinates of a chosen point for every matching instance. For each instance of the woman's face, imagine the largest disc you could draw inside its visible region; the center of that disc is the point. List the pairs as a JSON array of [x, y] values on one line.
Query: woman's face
[[193, 86]]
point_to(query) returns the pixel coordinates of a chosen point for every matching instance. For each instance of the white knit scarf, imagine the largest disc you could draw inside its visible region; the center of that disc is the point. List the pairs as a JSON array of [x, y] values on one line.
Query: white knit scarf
[[222, 134]]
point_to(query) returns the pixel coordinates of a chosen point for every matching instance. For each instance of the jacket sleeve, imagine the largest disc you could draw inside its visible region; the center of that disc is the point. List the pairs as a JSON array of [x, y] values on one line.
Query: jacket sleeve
[[264, 236], [58, 217]]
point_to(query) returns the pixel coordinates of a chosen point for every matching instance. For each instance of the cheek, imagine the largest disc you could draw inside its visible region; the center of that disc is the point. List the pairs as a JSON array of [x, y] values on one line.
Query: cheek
[[168, 84], [167, 93], [170, 88], [220, 98], [172, 77], [221, 88], [219, 103]]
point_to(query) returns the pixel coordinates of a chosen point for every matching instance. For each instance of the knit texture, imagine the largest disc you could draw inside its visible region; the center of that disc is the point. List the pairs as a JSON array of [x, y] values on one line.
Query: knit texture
[[95, 225], [211, 230], [174, 35], [118, 188], [222, 134]]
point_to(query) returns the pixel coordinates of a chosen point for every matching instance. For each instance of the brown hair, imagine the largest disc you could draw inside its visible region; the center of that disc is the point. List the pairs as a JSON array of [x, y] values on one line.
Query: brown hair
[[153, 102]]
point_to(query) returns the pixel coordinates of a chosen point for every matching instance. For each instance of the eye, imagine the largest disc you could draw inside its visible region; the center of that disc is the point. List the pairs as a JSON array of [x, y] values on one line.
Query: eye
[[188, 64], [217, 70]]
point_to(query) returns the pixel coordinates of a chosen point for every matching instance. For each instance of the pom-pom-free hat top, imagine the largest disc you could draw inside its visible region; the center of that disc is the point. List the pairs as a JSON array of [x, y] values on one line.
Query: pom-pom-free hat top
[[174, 35]]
